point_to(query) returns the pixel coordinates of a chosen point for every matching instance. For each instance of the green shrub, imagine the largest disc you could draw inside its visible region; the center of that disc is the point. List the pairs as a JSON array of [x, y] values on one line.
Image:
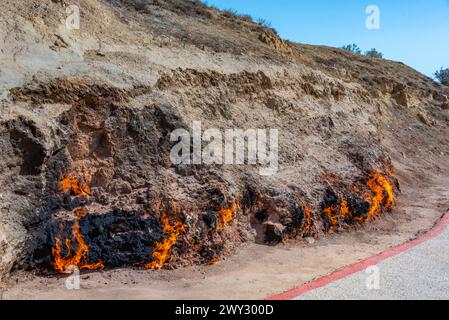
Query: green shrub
[[353, 48], [443, 76], [373, 53]]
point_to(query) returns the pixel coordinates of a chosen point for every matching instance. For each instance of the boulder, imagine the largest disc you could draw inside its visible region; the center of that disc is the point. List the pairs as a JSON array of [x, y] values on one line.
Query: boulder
[[273, 232]]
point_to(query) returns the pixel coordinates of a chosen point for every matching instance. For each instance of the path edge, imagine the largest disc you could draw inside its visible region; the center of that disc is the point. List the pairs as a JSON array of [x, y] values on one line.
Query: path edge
[[439, 227]]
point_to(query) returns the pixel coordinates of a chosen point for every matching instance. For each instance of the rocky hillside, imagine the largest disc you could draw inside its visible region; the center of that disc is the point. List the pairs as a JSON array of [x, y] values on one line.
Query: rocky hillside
[[86, 117]]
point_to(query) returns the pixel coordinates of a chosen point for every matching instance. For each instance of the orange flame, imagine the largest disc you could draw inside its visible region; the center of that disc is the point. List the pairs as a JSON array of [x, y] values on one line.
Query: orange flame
[[381, 197], [226, 215], [378, 184], [344, 210], [329, 213], [307, 220], [76, 254], [162, 249], [213, 261], [72, 184], [332, 214]]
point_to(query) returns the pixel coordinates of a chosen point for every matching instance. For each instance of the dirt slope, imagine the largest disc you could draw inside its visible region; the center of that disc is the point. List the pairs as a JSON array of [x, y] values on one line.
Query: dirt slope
[[86, 117]]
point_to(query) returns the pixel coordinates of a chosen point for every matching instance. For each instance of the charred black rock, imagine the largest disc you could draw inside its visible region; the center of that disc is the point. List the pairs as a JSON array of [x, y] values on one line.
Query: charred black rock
[[330, 199], [118, 238], [297, 218], [210, 219], [249, 197], [217, 199], [358, 206]]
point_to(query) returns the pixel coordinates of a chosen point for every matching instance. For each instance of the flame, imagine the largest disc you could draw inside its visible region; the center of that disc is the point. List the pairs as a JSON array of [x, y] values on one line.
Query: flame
[[73, 184], [332, 213], [307, 220], [329, 213], [344, 210], [378, 184], [162, 249], [77, 255], [226, 215], [381, 197], [213, 261]]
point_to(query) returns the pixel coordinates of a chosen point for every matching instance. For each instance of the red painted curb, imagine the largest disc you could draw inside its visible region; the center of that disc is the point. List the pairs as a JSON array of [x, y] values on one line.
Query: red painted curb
[[362, 265]]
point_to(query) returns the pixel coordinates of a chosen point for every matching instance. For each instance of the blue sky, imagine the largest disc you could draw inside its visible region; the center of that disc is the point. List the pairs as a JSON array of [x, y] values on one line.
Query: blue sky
[[415, 32]]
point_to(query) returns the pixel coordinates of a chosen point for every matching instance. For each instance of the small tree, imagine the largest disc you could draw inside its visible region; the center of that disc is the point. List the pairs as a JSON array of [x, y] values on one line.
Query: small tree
[[373, 53], [443, 76], [352, 48]]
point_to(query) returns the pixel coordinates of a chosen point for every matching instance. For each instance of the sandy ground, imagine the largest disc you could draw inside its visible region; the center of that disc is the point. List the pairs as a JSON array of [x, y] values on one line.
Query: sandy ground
[[254, 271]]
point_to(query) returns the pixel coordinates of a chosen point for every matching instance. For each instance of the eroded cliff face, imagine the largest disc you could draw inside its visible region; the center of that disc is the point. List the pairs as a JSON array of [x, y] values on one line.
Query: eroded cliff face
[[86, 118]]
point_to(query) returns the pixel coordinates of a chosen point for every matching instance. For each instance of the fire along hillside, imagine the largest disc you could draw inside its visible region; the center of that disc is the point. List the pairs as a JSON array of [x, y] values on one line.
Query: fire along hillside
[[87, 115]]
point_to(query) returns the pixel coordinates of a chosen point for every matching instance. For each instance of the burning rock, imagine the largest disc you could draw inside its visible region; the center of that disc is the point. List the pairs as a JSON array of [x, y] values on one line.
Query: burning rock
[[76, 186], [382, 197], [76, 250], [162, 249], [116, 239], [106, 172], [305, 227], [226, 215], [358, 205], [130, 238]]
